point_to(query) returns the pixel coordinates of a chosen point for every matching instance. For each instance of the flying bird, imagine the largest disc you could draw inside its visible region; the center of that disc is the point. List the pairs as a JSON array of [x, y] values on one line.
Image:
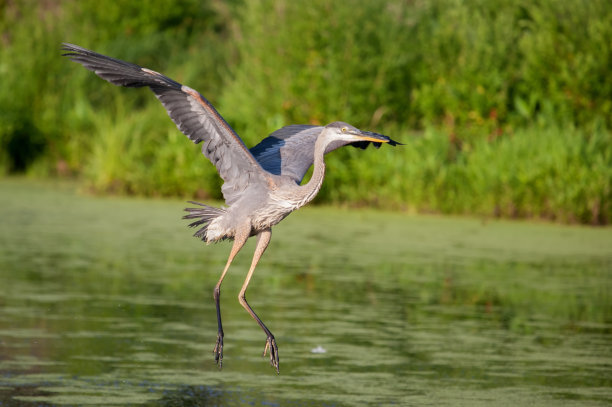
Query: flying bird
[[262, 185]]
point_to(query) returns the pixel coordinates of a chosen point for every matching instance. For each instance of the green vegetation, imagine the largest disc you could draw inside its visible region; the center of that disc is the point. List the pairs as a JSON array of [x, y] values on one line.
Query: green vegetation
[[504, 106]]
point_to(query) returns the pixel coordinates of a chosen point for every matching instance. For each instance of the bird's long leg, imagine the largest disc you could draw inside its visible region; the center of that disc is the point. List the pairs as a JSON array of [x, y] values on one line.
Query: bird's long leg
[[239, 241], [263, 238]]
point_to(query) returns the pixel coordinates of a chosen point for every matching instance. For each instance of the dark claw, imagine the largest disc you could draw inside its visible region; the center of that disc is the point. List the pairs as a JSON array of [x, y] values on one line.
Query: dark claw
[[218, 351], [271, 344]]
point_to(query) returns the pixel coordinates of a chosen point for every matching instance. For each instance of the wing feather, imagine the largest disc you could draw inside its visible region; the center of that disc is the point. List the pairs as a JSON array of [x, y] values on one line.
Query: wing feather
[[190, 111], [289, 151]]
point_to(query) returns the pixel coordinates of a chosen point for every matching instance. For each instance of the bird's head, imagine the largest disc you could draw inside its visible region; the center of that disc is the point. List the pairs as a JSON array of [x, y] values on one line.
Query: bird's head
[[343, 133]]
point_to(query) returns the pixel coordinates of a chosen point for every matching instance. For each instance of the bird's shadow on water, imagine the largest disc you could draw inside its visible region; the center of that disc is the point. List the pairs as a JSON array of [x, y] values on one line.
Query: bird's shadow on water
[[209, 396], [213, 396]]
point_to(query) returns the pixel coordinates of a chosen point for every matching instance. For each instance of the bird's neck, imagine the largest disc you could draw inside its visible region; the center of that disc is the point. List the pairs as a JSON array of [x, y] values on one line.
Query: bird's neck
[[312, 187]]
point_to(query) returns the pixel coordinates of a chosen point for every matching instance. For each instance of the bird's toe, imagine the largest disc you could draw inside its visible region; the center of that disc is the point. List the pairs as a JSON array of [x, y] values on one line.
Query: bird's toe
[[271, 345], [218, 351]]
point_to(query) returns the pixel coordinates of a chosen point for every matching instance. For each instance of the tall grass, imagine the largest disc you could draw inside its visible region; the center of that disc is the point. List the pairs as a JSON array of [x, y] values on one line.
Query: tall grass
[[546, 173], [57, 107], [504, 106]]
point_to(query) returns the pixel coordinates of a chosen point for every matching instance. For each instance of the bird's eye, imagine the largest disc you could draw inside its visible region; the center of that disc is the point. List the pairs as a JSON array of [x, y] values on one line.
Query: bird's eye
[[344, 130]]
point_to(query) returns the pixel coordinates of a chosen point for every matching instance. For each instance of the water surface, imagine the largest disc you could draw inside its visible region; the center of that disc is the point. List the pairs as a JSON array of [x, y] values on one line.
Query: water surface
[[108, 301]]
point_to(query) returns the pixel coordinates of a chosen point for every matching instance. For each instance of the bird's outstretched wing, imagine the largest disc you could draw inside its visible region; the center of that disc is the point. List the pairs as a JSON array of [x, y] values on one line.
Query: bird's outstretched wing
[[189, 110], [290, 150]]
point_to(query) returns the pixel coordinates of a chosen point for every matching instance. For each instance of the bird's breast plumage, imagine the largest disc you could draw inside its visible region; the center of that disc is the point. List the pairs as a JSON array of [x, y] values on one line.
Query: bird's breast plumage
[[272, 213]]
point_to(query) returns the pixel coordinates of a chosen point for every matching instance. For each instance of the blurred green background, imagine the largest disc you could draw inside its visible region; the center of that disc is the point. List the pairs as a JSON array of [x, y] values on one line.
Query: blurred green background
[[505, 106]]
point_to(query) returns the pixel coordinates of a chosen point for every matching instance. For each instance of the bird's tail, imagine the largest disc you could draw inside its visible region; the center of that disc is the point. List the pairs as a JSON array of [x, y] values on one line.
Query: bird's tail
[[205, 214]]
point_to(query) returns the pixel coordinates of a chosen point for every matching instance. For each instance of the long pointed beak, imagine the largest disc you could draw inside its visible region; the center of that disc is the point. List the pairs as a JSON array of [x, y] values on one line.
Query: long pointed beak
[[375, 138]]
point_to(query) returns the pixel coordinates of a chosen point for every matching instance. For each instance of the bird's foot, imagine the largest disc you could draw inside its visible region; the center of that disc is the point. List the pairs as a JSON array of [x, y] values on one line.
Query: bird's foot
[[218, 351], [271, 345]]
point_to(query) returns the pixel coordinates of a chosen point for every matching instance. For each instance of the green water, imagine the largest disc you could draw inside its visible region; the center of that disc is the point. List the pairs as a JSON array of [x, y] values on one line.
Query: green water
[[108, 301]]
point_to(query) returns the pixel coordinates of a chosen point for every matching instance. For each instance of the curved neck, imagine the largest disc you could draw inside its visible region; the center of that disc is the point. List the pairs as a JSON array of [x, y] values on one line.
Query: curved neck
[[312, 187]]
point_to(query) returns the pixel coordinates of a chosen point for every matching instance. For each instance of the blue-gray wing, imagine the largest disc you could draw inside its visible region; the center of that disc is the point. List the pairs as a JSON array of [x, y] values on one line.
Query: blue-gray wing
[[190, 111], [288, 151]]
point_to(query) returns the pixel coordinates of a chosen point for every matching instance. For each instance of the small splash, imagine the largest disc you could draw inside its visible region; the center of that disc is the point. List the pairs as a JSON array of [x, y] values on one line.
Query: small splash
[[318, 349]]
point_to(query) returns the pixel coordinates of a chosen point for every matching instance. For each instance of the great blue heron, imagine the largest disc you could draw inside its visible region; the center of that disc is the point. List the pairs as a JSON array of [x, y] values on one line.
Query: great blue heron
[[261, 185]]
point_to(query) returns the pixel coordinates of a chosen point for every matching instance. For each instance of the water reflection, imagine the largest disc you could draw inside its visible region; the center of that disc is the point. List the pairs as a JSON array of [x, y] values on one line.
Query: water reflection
[[91, 316]]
